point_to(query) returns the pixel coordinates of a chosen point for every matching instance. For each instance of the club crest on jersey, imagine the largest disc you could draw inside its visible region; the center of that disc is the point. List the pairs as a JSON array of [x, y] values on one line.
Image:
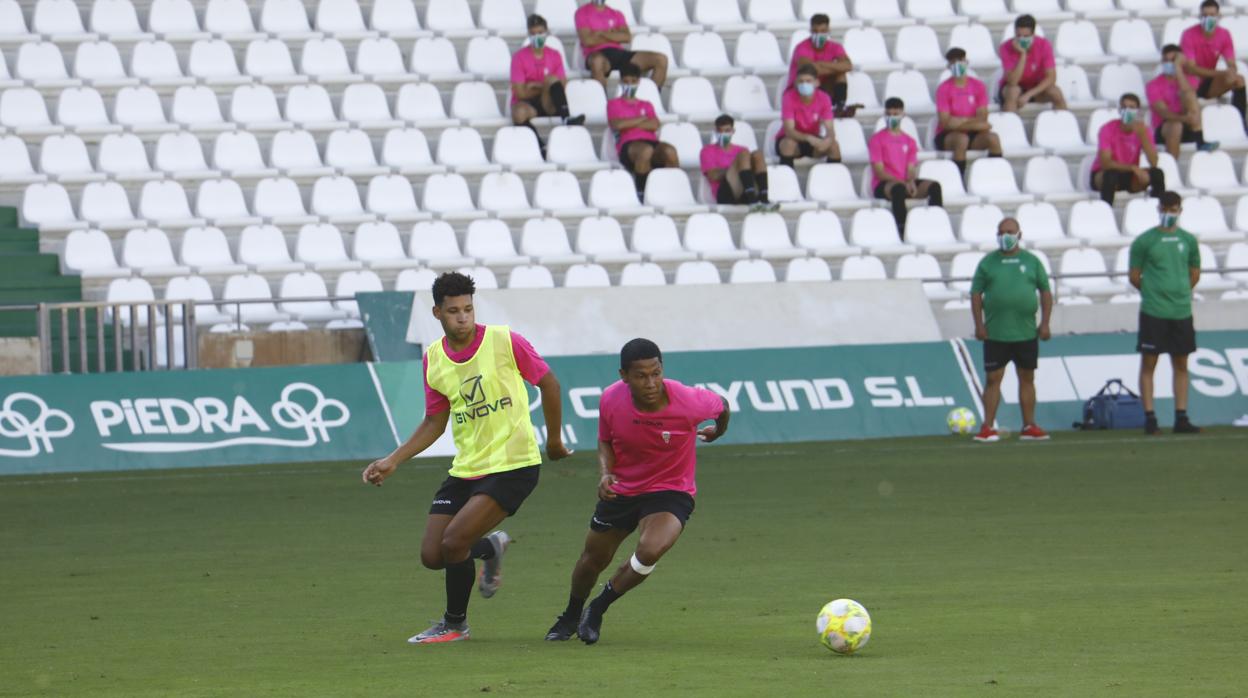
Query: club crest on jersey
[[667, 437]]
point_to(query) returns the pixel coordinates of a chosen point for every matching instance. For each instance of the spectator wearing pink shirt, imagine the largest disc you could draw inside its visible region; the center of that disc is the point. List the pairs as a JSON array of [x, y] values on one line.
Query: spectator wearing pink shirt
[[962, 109], [636, 129], [808, 116], [1205, 43], [1176, 112], [1030, 69], [538, 80], [1119, 144], [736, 175], [895, 166], [603, 32], [648, 432], [832, 64]]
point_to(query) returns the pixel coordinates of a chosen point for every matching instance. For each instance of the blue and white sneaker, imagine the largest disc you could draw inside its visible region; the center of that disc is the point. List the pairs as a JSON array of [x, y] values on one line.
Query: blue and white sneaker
[[441, 631], [492, 569]]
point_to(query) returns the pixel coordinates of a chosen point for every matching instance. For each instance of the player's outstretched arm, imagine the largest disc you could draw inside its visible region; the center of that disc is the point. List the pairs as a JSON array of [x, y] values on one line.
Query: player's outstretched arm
[[428, 432], [716, 430], [552, 410]]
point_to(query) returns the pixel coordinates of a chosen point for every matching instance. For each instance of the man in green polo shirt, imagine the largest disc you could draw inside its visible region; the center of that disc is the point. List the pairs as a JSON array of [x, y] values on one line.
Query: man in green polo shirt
[[1003, 305], [1165, 266]]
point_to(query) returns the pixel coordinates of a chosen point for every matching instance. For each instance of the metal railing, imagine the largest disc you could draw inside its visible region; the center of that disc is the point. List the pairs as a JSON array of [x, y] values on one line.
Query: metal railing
[[135, 335]]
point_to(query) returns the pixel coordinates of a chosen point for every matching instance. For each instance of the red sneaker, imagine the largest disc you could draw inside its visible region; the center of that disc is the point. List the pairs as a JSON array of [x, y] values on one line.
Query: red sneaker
[[987, 435], [1031, 432]]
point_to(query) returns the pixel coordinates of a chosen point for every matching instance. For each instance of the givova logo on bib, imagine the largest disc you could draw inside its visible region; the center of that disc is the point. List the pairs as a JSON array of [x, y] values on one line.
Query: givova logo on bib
[[477, 404], [301, 418]]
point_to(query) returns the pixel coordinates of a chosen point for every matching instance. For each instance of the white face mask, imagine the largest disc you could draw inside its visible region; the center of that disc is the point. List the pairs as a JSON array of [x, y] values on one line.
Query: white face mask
[[1129, 115], [806, 89], [538, 40], [1007, 242], [959, 69], [721, 138]]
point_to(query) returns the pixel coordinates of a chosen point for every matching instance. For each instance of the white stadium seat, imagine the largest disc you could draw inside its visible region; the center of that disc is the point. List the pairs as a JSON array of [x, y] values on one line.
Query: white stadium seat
[[90, 254], [695, 273]]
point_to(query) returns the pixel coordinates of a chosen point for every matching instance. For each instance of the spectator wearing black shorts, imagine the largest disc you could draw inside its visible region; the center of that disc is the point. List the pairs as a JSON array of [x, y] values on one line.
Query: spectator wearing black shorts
[[1203, 44], [636, 129], [604, 32], [894, 158], [1119, 144], [1165, 267], [1003, 307], [736, 175], [538, 80], [962, 113], [1176, 110]]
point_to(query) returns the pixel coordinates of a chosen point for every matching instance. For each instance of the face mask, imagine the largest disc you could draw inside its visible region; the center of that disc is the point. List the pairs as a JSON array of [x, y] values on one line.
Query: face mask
[[628, 91], [1007, 241], [959, 69], [892, 122], [1129, 115], [1167, 68], [1024, 42], [819, 40], [806, 89], [721, 139], [600, 3], [1209, 23], [538, 41], [1169, 220]]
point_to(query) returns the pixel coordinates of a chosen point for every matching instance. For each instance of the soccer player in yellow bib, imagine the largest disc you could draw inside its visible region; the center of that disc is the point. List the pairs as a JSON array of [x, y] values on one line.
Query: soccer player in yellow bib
[[475, 380]]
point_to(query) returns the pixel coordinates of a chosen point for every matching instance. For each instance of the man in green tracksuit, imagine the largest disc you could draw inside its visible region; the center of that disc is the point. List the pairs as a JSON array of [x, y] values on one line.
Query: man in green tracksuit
[[1165, 267]]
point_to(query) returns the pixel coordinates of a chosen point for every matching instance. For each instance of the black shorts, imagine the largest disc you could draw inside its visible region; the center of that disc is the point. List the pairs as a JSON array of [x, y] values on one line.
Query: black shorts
[[1025, 355], [1189, 136], [536, 103], [617, 57], [1202, 90], [626, 153], [940, 140], [509, 489], [624, 513], [1162, 336]]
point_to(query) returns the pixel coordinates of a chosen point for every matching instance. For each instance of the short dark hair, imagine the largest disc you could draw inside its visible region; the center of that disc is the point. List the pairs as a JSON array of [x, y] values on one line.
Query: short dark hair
[[955, 54], [1211, 3], [1025, 22], [452, 284], [1169, 199], [1131, 96], [819, 18], [808, 69], [894, 103], [1170, 48], [724, 120], [536, 21], [639, 350], [630, 70]]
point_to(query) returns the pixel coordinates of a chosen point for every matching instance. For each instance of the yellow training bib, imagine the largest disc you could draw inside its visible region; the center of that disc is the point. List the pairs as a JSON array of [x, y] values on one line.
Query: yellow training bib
[[489, 406]]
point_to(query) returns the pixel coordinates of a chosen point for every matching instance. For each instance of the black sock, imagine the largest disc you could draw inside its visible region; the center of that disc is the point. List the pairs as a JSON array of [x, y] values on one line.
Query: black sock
[[762, 187], [1200, 137], [1239, 99], [1149, 414], [482, 550], [747, 181], [935, 195], [459, 578], [1180, 415], [1156, 182], [787, 161], [639, 180], [541, 144], [605, 599], [840, 93], [961, 167], [559, 98], [575, 606], [834, 161]]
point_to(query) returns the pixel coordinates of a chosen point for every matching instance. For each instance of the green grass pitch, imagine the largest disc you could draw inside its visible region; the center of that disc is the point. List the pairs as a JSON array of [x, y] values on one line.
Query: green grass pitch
[[1095, 565]]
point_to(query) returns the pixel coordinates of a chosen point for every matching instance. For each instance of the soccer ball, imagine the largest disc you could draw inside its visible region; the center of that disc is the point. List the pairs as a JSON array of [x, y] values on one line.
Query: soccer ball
[[844, 626], [961, 421]]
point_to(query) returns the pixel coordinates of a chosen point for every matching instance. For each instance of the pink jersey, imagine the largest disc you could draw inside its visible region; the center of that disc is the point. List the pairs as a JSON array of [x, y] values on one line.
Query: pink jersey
[[620, 108], [1039, 61], [527, 66], [806, 50], [531, 364], [897, 151], [599, 19], [960, 101], [717, 158], [655, 451], [1205, 49], [807, 116], [1123, 146], [1163, 90]]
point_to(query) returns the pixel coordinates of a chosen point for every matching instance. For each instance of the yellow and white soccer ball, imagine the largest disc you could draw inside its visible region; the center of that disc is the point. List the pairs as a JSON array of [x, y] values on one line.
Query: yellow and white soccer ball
[[961, 421], [844, 626]]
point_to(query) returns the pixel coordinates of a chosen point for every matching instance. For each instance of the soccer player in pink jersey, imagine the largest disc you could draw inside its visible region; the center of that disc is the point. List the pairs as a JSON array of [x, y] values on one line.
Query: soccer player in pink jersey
[[1203, 44], [1116, 166], [1030, 69], [962, 108], [808, 118], [831, 62], [1176, 111], [603, 32], [895, 166], [538, 80], [736, 175], [647, 440], [636, 127]]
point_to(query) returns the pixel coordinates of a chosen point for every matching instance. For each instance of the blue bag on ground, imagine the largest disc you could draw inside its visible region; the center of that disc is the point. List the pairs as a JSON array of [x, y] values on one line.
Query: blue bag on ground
[[1113, 407]]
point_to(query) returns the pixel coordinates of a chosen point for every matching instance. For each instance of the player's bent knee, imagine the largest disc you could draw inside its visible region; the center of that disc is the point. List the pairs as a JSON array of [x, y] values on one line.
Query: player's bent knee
[[431, 559]]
